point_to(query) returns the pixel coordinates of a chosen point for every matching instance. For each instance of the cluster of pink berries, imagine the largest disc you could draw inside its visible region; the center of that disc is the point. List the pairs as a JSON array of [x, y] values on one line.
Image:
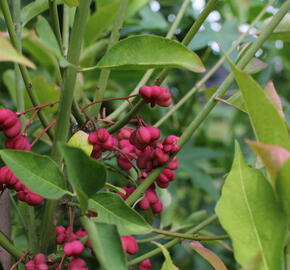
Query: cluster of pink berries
[[130, 246], [156, 95], [11, 127], [72, 246], [39, 262]]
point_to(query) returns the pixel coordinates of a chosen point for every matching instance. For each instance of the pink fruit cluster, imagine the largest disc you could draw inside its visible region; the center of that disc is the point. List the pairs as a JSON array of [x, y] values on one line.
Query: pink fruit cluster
[[130, 246], [39, 262], [102, 141], [155, 95], [149, 200], [72, 247], [11, 127], [143, 147], [9, 180]]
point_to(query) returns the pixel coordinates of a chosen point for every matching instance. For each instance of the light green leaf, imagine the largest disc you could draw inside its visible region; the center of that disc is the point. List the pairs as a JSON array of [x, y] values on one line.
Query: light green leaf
[[112, 209], [33, 9], [168, 263], [282, 31], [9, 54], [268, 125], [106, 244], [103, 18], [283, 186], [208, 255], [236, 100], [86, 175], [39, 173], [146, 51], [80, 140], [9, 81], [46, 93], [249, 212]]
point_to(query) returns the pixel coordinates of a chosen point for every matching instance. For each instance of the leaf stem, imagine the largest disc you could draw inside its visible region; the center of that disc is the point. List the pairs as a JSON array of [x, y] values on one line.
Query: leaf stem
[[7, 245], [65, 30], [63, 116], [190, 236], [200, 118], [114, 38], [25, 75], [55, 22], [189, 36], [173, 242]]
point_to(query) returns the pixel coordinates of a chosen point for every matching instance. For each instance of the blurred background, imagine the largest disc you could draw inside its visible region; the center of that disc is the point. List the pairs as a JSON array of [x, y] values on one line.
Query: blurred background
[[205, 161]]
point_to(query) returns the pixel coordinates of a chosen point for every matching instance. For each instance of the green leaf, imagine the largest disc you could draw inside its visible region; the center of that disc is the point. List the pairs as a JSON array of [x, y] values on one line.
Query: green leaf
[[168, 263], [106, 244], [33, 9], [9, 54], [208, 255], [47, 35], [72, 3], [39, 173], [236, 100], [86, 175], [112, 209], [80, 140], [282, 31], [46, 93], [249, 212], [103, 18], [146, 51], [283, 186], [262, 112], [9, 81]]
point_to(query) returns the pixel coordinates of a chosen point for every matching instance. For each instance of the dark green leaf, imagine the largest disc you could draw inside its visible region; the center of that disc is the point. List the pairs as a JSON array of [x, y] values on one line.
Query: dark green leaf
[[112, 209], [283, 186], [39, 173], [86, 175], [106, 244], [143, 52]]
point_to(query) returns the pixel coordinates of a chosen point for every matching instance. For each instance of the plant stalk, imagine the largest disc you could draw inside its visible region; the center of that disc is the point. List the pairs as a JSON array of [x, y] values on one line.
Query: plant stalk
[[63, 116], [25, 75], [8, 246], [172, 242], [105, 73], [190, 236], [200, 118], [55, 22]]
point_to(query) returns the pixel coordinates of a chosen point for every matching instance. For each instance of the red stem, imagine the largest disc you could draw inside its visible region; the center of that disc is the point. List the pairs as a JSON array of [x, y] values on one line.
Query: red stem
[[43, 132], [106, 99], [36, 108], [20, 260]]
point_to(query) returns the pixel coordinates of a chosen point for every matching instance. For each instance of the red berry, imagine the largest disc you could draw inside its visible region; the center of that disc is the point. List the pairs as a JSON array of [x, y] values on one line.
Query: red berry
[[129, 244], [145, 265], [74, 248]]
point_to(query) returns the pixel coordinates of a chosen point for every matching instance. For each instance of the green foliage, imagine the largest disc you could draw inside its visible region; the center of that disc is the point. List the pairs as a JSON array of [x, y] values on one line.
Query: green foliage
[[112, 209], [86, 175], [150, 52], [106, 244], [168, 263], [11, 55], [252, 216], [37, 172]]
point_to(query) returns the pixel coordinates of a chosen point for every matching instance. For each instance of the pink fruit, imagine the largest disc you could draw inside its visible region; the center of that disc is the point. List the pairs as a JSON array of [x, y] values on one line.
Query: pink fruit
[[145, 265], [74, 248], [129, 244]]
